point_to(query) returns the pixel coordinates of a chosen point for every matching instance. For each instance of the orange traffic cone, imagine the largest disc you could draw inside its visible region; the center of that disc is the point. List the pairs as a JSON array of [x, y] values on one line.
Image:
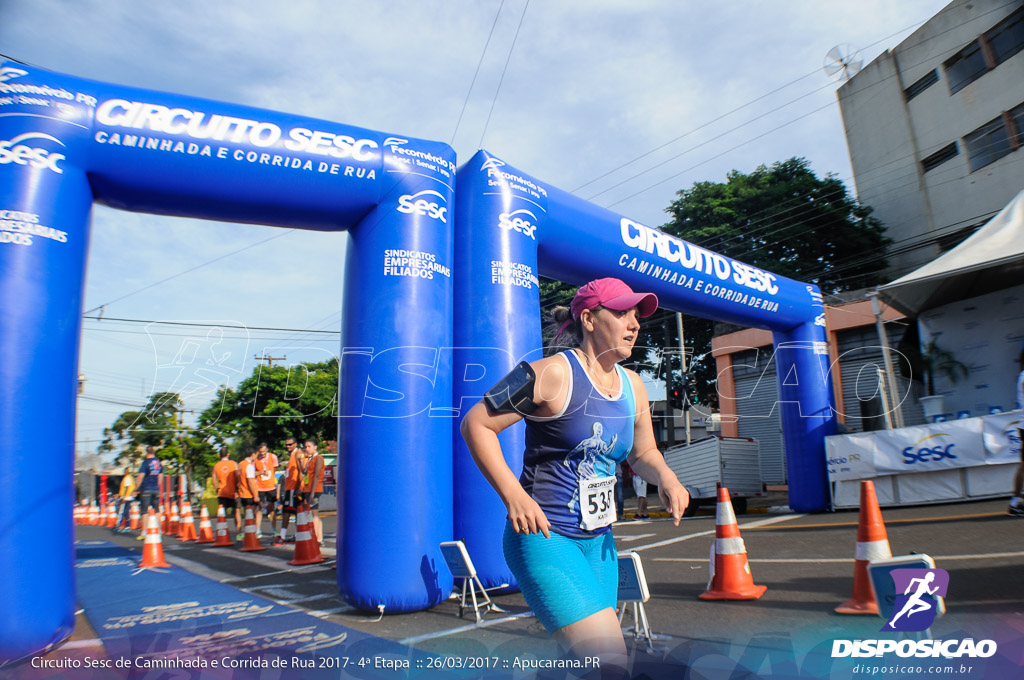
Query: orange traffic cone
[[730, 573], [224, 539], [134, 518], [153, 550], [76, 514], [187, 529], [249, 540], [205, 529], [307, 550], [872, 544], [111, 518], [165, 520], [93, 518]]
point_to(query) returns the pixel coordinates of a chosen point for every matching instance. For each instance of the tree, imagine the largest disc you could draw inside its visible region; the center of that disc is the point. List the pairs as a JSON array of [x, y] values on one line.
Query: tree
[[272, 404], [785, 220], [159, 424]]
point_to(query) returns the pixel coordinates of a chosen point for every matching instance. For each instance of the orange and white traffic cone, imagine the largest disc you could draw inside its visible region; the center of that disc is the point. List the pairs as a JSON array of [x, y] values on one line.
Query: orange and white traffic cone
[[111, 520], [730, 572], [872, 544], [165, 520], [249, 540], [133, 518], [224, 539], [93, 518], [76, 514], [205, 529], [187, 529], [307, 550], [153, 550], [172, 525]]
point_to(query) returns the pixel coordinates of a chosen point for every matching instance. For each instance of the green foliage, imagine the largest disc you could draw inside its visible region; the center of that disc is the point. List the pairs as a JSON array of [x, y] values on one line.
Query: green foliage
[[272, 404], [936, 360], [785, 220]]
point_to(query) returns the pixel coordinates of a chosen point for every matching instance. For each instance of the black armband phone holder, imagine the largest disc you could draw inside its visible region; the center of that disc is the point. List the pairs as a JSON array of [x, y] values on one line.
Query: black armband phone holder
[[514, 392]]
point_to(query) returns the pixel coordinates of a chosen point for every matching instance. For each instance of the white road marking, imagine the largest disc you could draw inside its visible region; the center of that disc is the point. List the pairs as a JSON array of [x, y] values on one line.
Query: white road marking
[[711, 532], [842, 560], [461, 629], [627, 539]]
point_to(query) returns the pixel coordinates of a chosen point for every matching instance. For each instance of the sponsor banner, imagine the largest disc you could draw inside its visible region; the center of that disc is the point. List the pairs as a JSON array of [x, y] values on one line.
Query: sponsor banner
[[851, 456], [1001, 433], [926, 448]]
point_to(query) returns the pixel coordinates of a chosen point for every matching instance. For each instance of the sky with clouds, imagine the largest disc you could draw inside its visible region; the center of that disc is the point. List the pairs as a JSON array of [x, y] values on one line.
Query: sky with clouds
[[623, 103]]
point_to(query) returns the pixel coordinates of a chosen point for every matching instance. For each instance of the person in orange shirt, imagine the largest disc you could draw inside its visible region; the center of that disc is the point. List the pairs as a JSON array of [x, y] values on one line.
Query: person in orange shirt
[[266, 482], [248, 491], [225, 479], [313, 486], [291, 485]]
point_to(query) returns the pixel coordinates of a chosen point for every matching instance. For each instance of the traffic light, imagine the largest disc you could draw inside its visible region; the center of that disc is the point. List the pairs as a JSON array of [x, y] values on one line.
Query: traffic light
[[690, 386], [677, 398]]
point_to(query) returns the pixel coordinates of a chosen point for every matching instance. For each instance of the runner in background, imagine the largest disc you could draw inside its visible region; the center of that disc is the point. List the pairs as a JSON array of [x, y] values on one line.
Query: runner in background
[[313, 486], [147, 481], [225, 481], [291, 486]]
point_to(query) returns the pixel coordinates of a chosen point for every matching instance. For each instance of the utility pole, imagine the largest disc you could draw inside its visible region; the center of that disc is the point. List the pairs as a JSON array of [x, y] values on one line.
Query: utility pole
[[682, 358], [670, 412], [270, 360]]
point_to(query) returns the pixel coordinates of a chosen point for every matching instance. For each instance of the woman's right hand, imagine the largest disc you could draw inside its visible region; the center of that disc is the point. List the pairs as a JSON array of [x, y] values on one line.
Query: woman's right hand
[[526, 516]]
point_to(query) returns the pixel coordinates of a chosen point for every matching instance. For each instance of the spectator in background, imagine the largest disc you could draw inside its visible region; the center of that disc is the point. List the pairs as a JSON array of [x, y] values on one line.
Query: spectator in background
[[248, 492], [640, 488], [313, 486], [291, 495], [266, 481], [225, 480], [1016, 502], [125, 495]]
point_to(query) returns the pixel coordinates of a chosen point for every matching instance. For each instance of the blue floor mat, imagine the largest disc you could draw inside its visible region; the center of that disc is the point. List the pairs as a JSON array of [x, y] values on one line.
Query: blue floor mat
[[171, 623]]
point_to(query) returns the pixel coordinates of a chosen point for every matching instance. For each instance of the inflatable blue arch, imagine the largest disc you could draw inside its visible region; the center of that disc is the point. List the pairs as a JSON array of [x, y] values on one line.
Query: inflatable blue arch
[[437, 284]]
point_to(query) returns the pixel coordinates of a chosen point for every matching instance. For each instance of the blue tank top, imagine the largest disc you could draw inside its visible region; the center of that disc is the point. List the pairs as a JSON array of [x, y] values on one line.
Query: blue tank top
[[592, 435]]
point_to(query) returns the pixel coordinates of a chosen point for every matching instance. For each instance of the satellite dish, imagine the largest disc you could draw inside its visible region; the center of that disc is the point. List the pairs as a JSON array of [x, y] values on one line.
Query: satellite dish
[[843, 60]]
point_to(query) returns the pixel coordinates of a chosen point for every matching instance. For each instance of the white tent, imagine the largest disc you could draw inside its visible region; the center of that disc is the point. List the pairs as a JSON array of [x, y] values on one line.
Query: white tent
[[991, 259]]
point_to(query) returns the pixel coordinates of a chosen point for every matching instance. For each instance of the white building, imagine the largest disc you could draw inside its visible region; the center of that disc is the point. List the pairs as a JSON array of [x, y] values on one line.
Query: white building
[[935, 128]]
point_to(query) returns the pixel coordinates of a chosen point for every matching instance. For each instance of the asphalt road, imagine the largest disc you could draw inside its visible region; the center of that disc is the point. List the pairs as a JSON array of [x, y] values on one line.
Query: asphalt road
[[806, 562]]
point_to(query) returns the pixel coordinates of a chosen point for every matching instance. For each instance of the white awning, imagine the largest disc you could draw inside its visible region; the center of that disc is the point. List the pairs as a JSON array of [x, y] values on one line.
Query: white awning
[[991, 259]]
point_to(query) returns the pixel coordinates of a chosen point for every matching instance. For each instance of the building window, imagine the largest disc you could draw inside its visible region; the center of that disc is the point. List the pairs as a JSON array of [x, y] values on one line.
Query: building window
[[998, 44], [922, 84], [988, 144], [965, 67], [1017, 120], [940, 157], [1007, 37]]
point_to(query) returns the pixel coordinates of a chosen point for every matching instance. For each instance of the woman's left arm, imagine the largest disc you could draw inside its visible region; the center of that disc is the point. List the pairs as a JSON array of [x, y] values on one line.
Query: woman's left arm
[[647, 461]]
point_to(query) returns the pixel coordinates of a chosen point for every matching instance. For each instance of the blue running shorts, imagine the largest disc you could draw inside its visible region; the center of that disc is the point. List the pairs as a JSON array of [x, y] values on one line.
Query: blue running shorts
[[563, 579]]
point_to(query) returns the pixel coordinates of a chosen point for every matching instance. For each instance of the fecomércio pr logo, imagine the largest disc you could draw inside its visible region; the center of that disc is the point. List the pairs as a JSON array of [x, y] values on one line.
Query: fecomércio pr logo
[[916, 607]]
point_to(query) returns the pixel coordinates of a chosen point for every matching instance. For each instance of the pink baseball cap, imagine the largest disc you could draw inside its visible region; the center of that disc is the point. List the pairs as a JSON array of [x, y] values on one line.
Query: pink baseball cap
[[613, 294]]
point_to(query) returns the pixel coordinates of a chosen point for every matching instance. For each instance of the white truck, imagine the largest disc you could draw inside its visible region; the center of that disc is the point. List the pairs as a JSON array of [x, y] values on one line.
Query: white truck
[[705, 465]]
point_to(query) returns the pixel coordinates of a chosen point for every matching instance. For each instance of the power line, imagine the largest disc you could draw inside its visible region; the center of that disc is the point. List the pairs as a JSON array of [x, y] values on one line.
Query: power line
[[503, 71], [477, 72]]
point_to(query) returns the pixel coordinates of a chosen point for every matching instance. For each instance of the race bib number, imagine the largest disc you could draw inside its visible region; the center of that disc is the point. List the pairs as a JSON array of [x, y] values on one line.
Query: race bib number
[[597, 502]]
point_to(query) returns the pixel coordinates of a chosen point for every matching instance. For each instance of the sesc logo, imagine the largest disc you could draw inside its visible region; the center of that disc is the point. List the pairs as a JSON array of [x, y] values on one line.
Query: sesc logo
[[421, 204], [10, 73], [517, 221], [916, 453], [13, 151]]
